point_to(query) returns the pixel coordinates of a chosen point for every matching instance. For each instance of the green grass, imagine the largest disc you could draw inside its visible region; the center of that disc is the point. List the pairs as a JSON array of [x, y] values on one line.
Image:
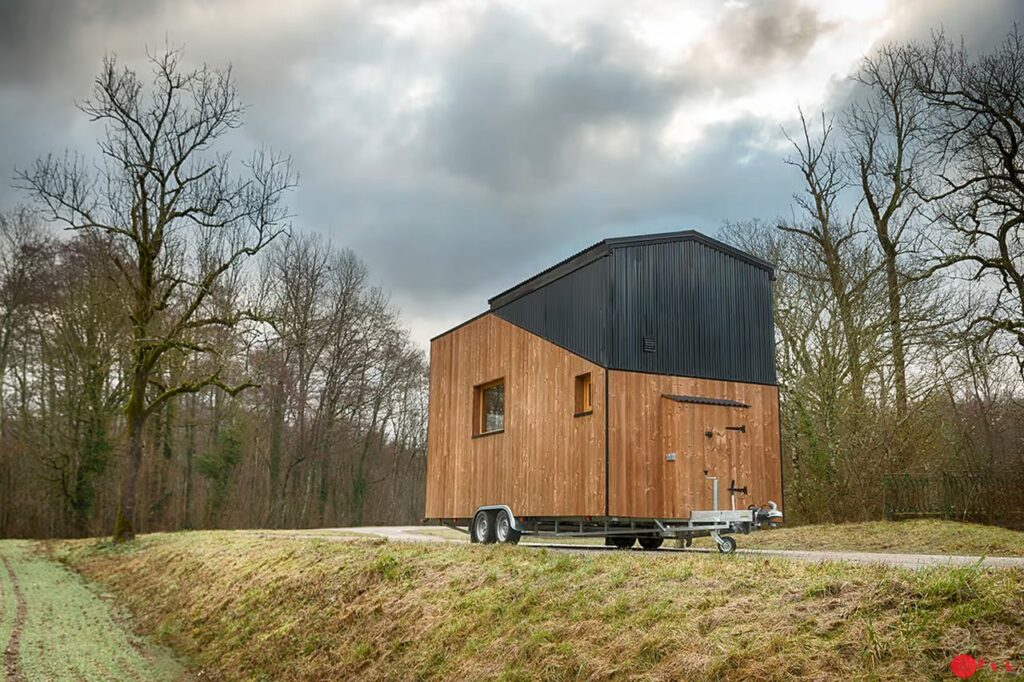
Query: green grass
[[70, 632], [901, 537], [246, 606]]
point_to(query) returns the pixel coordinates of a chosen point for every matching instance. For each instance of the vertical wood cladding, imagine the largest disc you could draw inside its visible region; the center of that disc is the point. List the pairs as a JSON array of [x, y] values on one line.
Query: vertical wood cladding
[[546, 462], [645, 426]]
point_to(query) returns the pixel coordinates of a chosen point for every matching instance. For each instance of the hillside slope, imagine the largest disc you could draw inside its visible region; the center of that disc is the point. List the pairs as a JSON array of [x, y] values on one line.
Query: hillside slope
[[246, 606]]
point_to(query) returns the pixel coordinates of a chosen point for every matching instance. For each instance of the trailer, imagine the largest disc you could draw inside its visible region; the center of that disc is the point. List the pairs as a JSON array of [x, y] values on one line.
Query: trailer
[[609, 396]]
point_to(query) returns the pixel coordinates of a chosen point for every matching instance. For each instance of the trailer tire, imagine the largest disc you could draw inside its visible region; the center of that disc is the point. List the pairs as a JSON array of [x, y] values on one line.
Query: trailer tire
[[503, 530], [482, 530], [728, 545], [651, 542], [620, 541]]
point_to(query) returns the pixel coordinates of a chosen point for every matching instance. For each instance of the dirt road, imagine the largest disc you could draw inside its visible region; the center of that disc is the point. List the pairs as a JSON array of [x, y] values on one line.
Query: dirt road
[[55, 627], [425, 534]]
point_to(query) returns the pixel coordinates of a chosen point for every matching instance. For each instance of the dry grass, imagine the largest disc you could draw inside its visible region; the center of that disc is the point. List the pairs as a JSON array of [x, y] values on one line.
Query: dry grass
[[926, 536], [250, 607], [903, 537]]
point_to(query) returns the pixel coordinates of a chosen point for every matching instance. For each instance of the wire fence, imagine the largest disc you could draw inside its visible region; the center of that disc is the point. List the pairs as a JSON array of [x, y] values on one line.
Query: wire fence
[[981, 498]]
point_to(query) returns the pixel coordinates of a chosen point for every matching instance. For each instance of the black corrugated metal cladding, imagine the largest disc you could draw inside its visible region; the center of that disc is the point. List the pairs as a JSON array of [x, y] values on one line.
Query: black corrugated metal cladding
[[708, 311], [572, 311]]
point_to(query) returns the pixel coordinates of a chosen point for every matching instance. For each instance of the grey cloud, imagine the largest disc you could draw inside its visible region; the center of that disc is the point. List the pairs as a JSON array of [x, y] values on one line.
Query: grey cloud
[[507, 173], [515, 104], [771, 31], [749, 40]]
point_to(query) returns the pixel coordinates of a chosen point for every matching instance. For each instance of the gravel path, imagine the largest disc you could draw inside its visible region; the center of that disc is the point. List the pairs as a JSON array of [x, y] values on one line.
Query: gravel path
[[417, 534]]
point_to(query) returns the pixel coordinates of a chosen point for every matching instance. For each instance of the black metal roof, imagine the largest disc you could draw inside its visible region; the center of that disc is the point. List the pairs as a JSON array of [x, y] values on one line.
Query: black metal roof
[[676, 303], [604, 247]]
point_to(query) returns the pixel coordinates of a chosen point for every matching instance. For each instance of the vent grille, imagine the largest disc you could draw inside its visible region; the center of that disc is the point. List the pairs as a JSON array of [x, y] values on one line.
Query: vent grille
[[649, 345]]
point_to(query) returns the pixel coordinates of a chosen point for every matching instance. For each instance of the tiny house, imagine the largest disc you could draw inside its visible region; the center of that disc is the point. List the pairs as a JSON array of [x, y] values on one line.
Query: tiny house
[[612, 394]]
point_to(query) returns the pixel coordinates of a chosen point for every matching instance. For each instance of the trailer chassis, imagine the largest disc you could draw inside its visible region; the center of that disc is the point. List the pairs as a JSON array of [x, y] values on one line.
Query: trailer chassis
[[504, 526]]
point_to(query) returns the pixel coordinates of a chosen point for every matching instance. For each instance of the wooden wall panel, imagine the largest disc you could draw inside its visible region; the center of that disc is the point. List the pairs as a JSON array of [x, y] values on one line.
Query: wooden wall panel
[[546, 462], [645, 427]]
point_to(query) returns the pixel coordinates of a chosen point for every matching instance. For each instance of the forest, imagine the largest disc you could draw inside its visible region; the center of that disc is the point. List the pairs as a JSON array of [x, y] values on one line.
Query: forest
[[175, 353], [900, 292]]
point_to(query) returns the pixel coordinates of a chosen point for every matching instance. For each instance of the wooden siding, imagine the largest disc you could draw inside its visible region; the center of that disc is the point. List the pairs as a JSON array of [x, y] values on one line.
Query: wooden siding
[[644, 427], [546, 462]]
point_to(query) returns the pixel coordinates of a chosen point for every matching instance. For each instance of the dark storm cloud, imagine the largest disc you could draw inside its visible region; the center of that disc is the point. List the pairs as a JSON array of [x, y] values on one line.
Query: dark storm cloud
[[516, 103], [522, 147], [770, 31], [40, 39]]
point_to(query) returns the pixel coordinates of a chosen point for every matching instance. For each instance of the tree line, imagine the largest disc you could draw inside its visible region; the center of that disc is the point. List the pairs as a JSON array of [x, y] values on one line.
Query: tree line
[[174, 356], [900, 286]]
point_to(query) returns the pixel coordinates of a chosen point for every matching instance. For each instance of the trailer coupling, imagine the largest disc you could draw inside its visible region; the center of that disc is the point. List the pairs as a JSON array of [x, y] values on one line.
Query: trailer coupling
[[768, 516]]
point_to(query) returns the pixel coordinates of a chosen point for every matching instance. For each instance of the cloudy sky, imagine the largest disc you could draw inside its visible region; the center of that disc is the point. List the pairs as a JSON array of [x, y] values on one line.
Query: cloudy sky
[[460, 146]]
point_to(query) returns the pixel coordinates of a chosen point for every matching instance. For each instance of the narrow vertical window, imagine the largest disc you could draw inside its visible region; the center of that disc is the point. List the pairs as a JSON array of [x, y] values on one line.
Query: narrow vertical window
[[489, 408], [584, 395]]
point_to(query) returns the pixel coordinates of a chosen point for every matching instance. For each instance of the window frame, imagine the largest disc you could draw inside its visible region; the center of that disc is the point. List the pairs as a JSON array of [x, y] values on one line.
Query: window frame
[[583, 393], [479, 405]]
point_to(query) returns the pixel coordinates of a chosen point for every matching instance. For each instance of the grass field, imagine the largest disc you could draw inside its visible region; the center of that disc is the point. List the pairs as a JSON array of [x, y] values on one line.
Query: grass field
[[63, 630], [905, 537], [246, 606]]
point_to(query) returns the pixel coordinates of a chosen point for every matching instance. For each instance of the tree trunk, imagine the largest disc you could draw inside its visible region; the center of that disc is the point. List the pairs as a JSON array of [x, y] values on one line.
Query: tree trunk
[[899, 361], [135, 414], [190, 452]]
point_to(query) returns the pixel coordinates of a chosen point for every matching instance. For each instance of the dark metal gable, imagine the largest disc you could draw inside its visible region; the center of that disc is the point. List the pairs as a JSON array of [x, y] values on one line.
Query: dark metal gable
[[677, 303]]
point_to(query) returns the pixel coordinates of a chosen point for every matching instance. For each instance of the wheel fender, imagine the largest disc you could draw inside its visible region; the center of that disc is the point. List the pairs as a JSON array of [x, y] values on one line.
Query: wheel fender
[[498, 507]]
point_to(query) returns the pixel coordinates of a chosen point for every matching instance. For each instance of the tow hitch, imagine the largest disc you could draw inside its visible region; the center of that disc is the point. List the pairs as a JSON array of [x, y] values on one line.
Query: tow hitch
[[768, 516]]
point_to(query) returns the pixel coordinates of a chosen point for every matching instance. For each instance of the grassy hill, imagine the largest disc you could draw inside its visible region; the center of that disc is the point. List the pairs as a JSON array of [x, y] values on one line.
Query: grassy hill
[[247, 606]]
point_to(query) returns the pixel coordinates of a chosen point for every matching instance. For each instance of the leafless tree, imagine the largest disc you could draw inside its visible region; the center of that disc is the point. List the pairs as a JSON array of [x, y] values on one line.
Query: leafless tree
[[976, 116], [887, 150], [178, 219]]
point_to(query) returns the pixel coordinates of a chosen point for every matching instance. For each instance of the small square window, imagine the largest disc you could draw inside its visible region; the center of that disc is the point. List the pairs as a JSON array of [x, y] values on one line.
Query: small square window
[[584, 394], [489, 408]]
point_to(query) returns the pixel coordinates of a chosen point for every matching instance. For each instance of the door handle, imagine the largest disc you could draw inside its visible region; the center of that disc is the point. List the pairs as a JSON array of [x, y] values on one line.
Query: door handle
[[742, 428]]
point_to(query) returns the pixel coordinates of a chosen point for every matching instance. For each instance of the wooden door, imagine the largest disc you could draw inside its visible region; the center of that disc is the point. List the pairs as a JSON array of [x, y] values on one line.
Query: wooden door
[[699, 437]]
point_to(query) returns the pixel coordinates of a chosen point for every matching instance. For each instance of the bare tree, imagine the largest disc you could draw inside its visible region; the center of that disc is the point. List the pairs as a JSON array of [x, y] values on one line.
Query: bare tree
[[26, 263], [886, 137], [841, 262], [976, 110], [178, 221]]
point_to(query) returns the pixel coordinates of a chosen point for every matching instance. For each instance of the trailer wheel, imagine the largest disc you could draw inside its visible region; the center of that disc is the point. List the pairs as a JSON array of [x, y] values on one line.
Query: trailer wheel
[[503, 530], [482, 530], [620, 541], [651, 542], [727, 545]]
